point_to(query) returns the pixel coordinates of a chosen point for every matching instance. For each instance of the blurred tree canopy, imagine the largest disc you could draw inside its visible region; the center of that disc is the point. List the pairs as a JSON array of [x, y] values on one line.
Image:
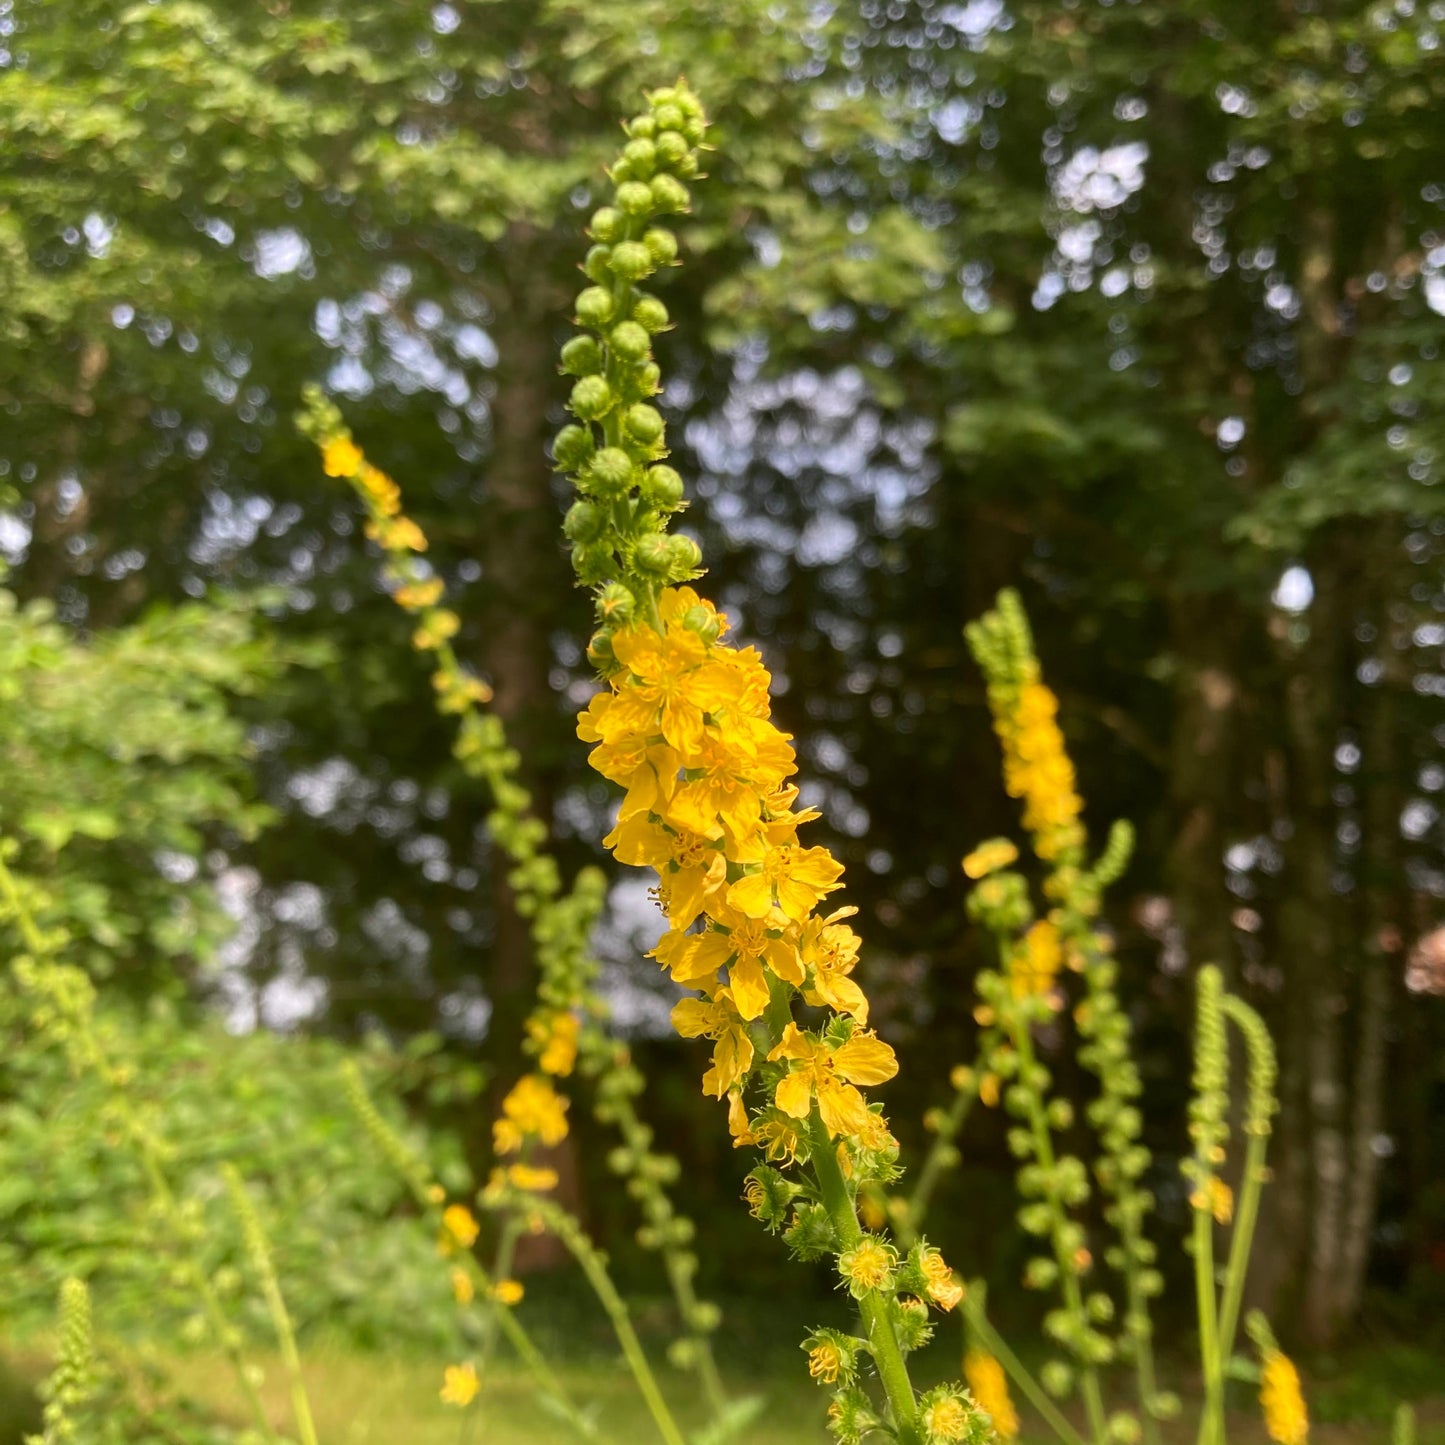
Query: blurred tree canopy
[[1135, 304]]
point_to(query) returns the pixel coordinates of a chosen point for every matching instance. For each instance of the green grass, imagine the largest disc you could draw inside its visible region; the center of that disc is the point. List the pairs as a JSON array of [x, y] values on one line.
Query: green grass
[[373, 1400]]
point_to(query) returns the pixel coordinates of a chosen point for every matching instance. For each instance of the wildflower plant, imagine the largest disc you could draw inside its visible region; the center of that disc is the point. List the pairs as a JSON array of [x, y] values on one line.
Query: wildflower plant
[[1040, 951], [682, 725], [567, 1027]]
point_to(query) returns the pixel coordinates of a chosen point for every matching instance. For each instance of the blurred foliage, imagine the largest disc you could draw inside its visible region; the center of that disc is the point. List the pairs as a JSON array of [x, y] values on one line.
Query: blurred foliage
[[124, 763], [74, 1203]]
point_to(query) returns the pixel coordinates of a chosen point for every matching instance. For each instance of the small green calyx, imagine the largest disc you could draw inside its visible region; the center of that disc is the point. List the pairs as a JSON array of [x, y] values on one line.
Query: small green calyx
[[617, 529]]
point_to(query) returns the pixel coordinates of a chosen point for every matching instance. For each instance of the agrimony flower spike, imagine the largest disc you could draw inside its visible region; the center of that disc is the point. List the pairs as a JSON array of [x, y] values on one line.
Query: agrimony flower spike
[[683, 727]]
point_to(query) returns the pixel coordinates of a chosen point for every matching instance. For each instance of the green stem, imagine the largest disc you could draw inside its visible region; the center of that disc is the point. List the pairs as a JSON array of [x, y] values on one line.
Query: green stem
[[560, 1223], [1204, 1285], [882, 1342], [1245, 1219], [1030, 1388], [275, 1303], [910, 1226], [1068, 1277], [414, 1176]]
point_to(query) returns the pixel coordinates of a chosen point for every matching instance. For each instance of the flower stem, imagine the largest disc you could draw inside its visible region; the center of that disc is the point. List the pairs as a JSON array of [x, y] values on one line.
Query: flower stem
[[882, 1342], [1030, 1388]]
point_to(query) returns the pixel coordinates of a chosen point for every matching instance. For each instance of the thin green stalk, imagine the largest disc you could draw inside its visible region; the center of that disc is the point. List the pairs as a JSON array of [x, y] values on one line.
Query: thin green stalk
[[1204, 1285], [1068, 1280], [261, 1262], [910, 1225], [80, 1018], [562, 1224], [415, 1177], [1240, 1246], [1030, 1388], [882, 1342]]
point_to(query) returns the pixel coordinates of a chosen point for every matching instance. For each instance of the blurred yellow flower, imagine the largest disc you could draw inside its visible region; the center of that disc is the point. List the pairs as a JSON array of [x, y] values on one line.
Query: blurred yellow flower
[[463, 1291], [1285, 1416], [460, 1385], [459, 1229], [989, 857], [340, 456], [508, 1291], [989, 1384], [533, 1109]]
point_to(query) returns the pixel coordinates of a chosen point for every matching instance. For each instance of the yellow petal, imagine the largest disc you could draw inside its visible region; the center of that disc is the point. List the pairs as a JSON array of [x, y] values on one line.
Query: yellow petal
[[749, 986], [865, 1059], [795, 1094]]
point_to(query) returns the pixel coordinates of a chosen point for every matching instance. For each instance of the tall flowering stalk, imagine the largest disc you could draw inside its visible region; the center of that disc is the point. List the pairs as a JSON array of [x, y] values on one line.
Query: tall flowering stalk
[[566, 1029], [683, 726]]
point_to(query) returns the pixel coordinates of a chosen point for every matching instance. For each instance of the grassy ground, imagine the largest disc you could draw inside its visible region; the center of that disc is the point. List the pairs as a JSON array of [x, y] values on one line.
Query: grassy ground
[[363, 1401], [373, 1400]]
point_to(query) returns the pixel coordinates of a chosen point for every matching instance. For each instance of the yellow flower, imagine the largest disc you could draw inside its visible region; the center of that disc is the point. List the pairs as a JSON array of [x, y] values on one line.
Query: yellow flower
[[396, 534], [460, 1385], [416, 595], [989, 1384], [792, 879], [532, 1108], [1285, 1416], [946, 1419], [1035, 965], [989, 857], [340, 456], [868, 1265], [717, 1019], [825, 1359], [508, 1291], [1036, 763], [437, 626], [1217, 1198], [944, 1288], [827, 1073], [554, 1034], [459, 1229], [463, 1291], [830, 949], [378, 489], [988, 1091], [529, 1177]]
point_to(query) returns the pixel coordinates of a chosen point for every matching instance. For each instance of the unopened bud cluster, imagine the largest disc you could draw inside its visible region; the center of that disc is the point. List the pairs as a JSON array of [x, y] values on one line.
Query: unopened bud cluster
[[614, 451]]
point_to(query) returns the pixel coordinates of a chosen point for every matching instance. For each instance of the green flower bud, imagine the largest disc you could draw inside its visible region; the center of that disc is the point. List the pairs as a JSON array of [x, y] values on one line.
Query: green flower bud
[[597, 264], [582, 357], [584, 522], [608, 225], [593, 563], [615, 605], [572, 448], [643, 422], [631, 260], [688, 103], [591, 398], [682, 1353], [643, 127], [648, 380], [653, 554], [612, 471], [695, 128], [641, 155], [662, 487], [629, 341], [599, 649], [1057, 1378], [662, 245], [668, 115], [595, 306], [635, 198], [649, 313], [671, 148], [668, 194], [684, 558], [703, 621]]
